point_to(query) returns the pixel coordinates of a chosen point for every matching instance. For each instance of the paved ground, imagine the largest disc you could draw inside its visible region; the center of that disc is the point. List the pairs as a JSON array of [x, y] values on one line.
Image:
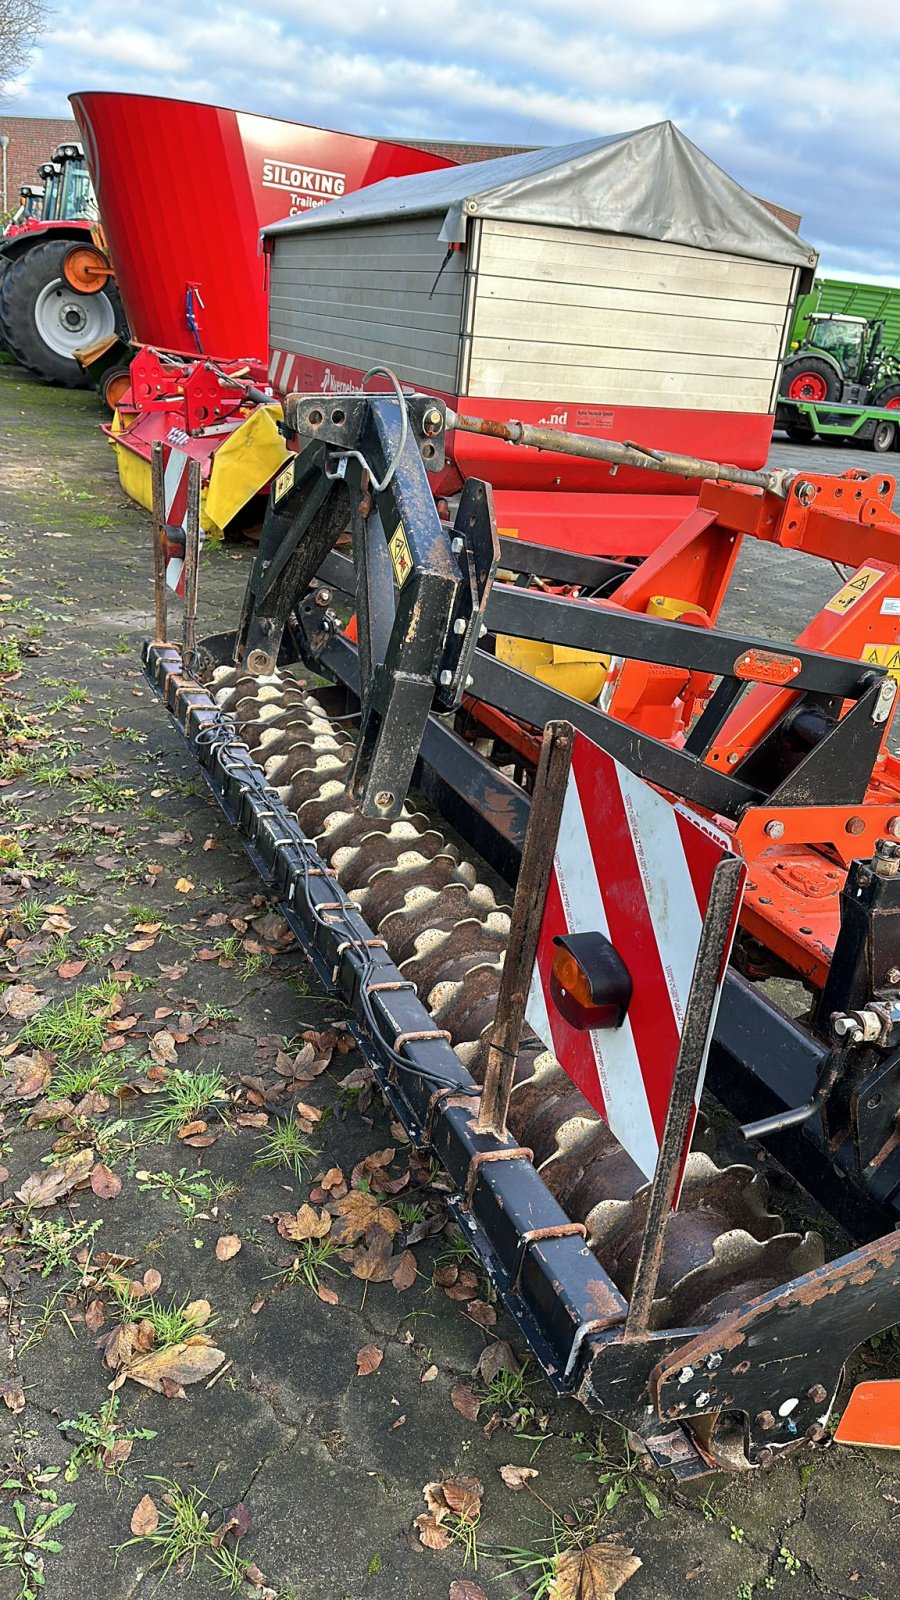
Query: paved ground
[[132, 920]]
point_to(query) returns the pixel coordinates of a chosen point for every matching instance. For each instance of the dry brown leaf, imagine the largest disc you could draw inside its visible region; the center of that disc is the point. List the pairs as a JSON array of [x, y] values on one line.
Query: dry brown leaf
[[117, 1452], [227, 1246], [465, 1589], [596, 1573], [105, 1183], [95, 1316], [45, 1188], [162, 1048], [26, 1076], [332, 1180], [482, 1313], [429, 1375], [516, 1478], [326, 1294], [358, 1211], [70, 969], [463, 1496], [167, 1370], [368, 1359], [13, 1395], [465, 1401], [307, 1224], [22, 1001], [405, 1273], [145, 1517], [372, 1262], [495, 1358], [198, 1312], [184, 885], [433, 1537]]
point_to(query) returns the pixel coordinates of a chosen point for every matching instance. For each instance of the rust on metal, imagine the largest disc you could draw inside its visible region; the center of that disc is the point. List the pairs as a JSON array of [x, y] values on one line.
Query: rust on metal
[[159, 542], [483, 1158]]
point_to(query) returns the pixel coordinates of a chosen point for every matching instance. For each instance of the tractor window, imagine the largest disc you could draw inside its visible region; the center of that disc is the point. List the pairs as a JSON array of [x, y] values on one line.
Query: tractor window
[[78, 196], [843, 340]]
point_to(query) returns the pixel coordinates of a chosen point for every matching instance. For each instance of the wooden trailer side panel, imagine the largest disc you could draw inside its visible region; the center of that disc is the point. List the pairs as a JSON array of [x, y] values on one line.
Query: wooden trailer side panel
[[353, 297], [559, 312]]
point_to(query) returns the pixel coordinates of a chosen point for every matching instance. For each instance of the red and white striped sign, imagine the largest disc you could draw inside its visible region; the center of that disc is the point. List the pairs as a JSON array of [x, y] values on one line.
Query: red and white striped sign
[[175, 510], [637, 868]]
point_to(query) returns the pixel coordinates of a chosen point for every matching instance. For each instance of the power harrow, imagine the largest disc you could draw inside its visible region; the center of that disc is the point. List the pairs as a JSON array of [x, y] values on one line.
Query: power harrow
[[387, 805]]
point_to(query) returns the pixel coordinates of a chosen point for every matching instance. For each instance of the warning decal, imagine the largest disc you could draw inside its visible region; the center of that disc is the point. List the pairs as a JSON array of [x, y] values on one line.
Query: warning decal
[[401, 557], [884, 655], [854, 589], [284, 482]]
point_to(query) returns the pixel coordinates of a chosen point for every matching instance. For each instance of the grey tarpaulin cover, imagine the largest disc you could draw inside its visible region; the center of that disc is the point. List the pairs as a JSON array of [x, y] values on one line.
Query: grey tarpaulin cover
[[652, 184]]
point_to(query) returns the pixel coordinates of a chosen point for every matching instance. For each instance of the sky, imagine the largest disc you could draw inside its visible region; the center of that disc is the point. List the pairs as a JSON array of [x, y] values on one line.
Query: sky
[[797, 102]]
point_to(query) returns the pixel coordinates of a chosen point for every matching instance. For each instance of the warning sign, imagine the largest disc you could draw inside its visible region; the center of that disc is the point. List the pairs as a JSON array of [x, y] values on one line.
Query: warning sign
[[854, 589], [284, 482], [884, 655], [401, 557]]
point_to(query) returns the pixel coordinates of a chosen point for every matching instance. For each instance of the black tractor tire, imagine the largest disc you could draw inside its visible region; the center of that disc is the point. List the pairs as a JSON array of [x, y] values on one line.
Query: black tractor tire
[[884, 437], [816, 367], [889, 396], [799, 432], [42, 320], [4, 263]]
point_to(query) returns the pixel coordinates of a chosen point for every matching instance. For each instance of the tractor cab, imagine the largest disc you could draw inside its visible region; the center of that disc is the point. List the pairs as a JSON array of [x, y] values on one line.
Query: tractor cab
[[51, 172], [848, 340], [76, 201], [29, 209]]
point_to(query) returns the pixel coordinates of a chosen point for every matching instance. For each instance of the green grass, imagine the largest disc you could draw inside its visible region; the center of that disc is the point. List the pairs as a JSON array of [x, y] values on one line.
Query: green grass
[[10, 657], [170, 1323], [30, 913], [189, 1530], [185, 1096], [54, 1243], [314, 1256], [106, 1076], [96, 946], [285, 1145], [69, 1028], [190, 1190], [54, 956]]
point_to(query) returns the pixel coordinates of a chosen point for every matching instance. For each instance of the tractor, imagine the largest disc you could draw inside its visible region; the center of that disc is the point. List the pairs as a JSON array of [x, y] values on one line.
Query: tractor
[[842, 360], [29, 209], [57, 294]]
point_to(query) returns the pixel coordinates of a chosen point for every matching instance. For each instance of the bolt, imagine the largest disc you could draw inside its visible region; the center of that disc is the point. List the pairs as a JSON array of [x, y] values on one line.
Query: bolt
[[702, 1398], [733, 758], [894, 975], [713, 1360], [886, 861], [766, 1421], [456, 546], [854, 825], [260, 663], [445, 679], [805, 492], [460, 625], [817, 1394], [384, 798], [893, 827], [432, 422], [774, 829], [765, 1457], [817, 1434], [322, 597], [685, 1375]]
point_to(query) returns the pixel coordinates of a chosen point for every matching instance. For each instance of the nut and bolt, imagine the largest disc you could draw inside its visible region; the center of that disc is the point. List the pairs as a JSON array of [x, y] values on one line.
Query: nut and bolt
[[774, 829], [733, 758], [384, 798], [887, 858], [893, 827], [445, 679], [765, 1457], [322, 597], [702, 1398], [713, 1361], [766, 1421], [460, 625], [685, 1375], [817, 1434], [456, 546], [432, 422], [817, 1394]]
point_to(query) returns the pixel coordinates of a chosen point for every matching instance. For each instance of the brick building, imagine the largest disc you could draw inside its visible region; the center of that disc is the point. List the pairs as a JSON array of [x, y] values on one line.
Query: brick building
[[31, 141]]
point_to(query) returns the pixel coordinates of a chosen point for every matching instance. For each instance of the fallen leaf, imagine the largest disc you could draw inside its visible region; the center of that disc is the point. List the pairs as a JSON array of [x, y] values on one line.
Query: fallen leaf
[[13, 1394], [516, 1478], [227, 1246], [400, 1422], [307, 1224], [162, 1048], [70, 969], [105, 1183], [332, 1180], [152, 1281], [463, 1496], [372, 1262], [596, 1573], [168, 1369], [117, 1452], [433, 1537], [145, 1517], [368, 1359], [184, 885], [27, 1076], [22, 1001], [465, 1589], [465, 1401], [45, 1188], [429, 1375], [495, 1358], [95, 1316], [405, 1273], [326, 1294], [482, 1313], [358, 1210]]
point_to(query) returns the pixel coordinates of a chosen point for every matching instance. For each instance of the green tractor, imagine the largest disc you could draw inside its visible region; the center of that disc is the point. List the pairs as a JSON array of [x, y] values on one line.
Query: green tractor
[[841, 359]]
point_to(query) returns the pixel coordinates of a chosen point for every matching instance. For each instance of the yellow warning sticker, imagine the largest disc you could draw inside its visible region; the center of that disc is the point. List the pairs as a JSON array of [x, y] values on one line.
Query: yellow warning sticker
[[884, 655], [854, 589], [401, 556], [284, 482]]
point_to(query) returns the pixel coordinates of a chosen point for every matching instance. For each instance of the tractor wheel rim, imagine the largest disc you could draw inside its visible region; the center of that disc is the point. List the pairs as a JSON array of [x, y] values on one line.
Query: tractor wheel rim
[[884, 432], [808, 386], [67, 321], [893, 404]]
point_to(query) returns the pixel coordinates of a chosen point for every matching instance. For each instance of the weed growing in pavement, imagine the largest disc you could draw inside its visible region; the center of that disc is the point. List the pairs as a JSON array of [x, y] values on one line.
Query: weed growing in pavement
[[220, 1014], [69, 1027], [410, 1212], [285, 1145], [509, 1389], [55, 954], [54, 1243], [106, 1076], [182, 1099], [190, 1529], [192, 1193], [30, 913], [97, 1437], [171, 1323], [52, 1308], [312, 1258], [457, 1251], [10, 657], [105, 794], [22, 1548], [620, 1475], [96, 946]]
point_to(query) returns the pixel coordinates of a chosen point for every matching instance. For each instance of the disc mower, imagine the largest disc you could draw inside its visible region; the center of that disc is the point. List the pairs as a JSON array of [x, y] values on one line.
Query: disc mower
[[403, 811]]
